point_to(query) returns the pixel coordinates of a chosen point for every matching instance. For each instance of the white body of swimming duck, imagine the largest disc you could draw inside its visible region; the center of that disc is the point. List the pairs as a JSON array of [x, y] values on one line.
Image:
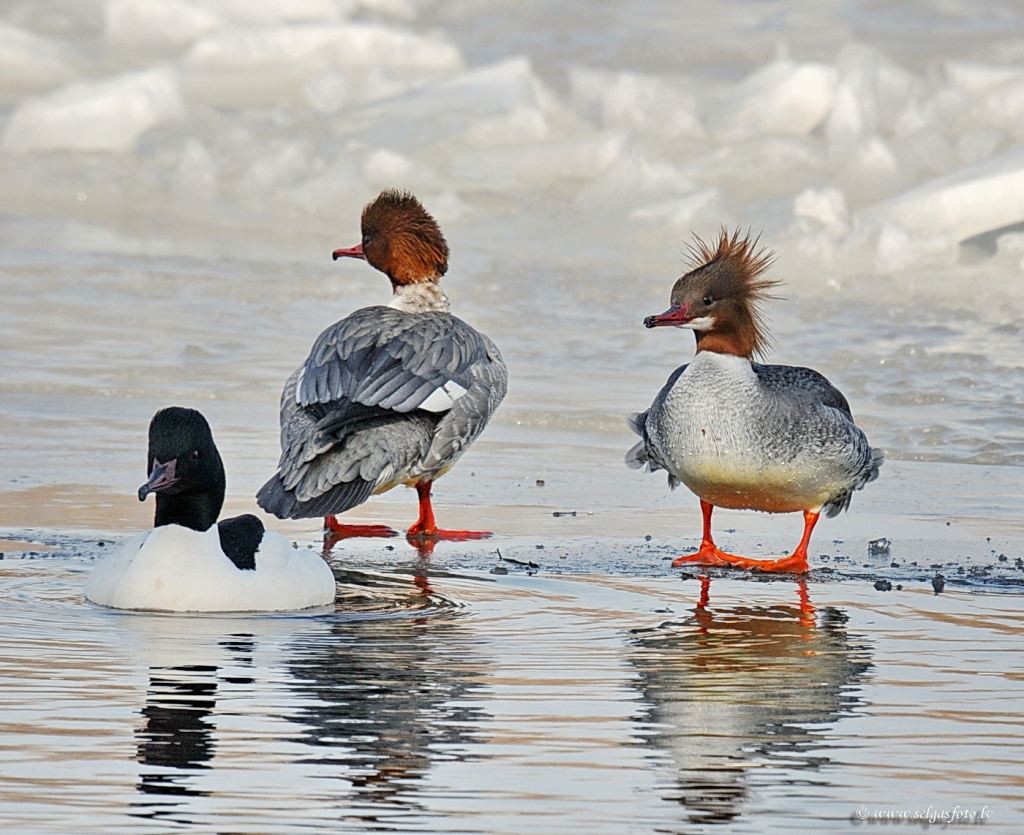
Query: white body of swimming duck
[[187, 563], [389, 395], [740, 434]]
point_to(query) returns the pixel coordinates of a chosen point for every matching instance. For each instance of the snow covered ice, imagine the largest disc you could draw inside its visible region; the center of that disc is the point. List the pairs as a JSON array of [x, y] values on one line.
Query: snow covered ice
[[320, 101], [569, 157]]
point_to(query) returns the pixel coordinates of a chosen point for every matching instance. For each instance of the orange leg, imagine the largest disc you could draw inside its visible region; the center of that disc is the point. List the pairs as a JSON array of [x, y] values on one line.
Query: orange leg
[[708, 554], [807, 610], [338, 530], [705, 589], [424, 547], [426, 528]]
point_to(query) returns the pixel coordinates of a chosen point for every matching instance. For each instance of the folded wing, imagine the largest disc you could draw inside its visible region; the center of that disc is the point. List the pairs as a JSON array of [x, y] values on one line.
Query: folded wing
[[385, 397]]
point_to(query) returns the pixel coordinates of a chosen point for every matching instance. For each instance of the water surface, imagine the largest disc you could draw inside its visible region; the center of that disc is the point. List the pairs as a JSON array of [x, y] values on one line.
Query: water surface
[[441, 700]]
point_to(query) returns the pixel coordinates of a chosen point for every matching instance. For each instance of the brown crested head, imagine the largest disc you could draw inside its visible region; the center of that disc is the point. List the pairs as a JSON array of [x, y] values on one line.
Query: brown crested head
[[401, 239], [719, 299]]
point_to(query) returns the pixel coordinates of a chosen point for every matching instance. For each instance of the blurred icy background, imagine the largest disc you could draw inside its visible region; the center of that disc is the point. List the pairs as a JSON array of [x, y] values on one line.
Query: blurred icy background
[[175, 173]]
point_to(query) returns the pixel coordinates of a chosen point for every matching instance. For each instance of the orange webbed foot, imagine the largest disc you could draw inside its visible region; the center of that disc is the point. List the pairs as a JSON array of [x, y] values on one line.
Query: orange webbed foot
[[707, 554], [794, 564]]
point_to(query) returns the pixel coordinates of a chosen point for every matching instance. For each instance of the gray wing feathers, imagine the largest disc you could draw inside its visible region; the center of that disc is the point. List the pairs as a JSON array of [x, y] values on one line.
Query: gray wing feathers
[[638, 457], [470, 413], [384, 357], [864, 470], [805, 379], [375, 453], [645, 452], [357, 411], [863, 461]]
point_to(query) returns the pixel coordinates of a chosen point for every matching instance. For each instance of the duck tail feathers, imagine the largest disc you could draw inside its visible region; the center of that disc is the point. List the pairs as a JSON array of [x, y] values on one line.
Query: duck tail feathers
[[274, 498]]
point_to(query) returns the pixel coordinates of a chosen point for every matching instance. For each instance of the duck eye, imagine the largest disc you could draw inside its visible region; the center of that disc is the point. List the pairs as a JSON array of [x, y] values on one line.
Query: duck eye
[[195, 453], [708, 299], [367, 239]]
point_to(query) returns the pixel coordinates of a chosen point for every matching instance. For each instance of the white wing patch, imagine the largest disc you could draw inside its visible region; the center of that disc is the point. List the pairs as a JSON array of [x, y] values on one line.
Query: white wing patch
[[441, 399]]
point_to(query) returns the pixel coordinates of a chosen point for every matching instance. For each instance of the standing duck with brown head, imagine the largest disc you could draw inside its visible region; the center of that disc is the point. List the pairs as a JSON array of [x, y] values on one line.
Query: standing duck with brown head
[[389, 395], [740, 434]]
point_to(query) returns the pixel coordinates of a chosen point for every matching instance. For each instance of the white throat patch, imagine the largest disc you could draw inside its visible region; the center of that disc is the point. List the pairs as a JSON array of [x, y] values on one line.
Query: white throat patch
[[703, 323], [421, 297]]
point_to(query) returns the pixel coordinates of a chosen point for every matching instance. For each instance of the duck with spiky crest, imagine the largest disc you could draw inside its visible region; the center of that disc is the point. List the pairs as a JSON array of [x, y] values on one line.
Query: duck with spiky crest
[[740, 434], [389, 395]]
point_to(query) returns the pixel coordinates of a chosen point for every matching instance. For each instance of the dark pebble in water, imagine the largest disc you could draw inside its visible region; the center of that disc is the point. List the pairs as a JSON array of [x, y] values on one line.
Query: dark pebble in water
[[685, 576], [101, 543], [540, 482], [539, 547], [1019, 563], [1002, 558], [947, 524], [938, 583], [894, 564], [648, 538], [564, 513], [899, 587], [883, 585], [389, 547], [499, 569]]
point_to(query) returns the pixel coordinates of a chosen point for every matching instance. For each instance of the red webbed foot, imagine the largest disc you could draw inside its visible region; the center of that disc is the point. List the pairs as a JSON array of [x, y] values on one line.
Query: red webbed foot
[[793, 564], [425, 528], [338, 530]]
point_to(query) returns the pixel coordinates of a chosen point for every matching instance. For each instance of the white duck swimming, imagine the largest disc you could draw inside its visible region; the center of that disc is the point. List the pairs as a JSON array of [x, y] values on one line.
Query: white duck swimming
[[389, 395], [186, 563], [743, 435]]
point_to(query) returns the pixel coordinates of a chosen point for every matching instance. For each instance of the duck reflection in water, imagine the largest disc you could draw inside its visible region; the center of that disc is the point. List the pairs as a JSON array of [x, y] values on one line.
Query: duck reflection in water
[[736, 689], [177, 733], [424, 546], [393, 695]]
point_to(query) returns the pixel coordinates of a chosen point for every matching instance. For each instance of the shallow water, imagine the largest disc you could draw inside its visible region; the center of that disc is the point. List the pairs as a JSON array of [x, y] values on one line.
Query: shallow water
[[173, 177], [461, 700]]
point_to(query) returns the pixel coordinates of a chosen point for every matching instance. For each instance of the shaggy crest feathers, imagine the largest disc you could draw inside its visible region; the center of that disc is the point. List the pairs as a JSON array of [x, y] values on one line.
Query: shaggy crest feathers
[[734, 266], [402, 239]]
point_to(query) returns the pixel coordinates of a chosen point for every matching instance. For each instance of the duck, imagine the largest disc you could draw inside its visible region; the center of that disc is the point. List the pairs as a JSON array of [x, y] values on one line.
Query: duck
[[189, 562], [390, 394], [740, 434]]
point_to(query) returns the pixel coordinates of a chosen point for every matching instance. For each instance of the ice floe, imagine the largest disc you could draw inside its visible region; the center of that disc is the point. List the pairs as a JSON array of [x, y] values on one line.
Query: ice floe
[[105, 115]]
